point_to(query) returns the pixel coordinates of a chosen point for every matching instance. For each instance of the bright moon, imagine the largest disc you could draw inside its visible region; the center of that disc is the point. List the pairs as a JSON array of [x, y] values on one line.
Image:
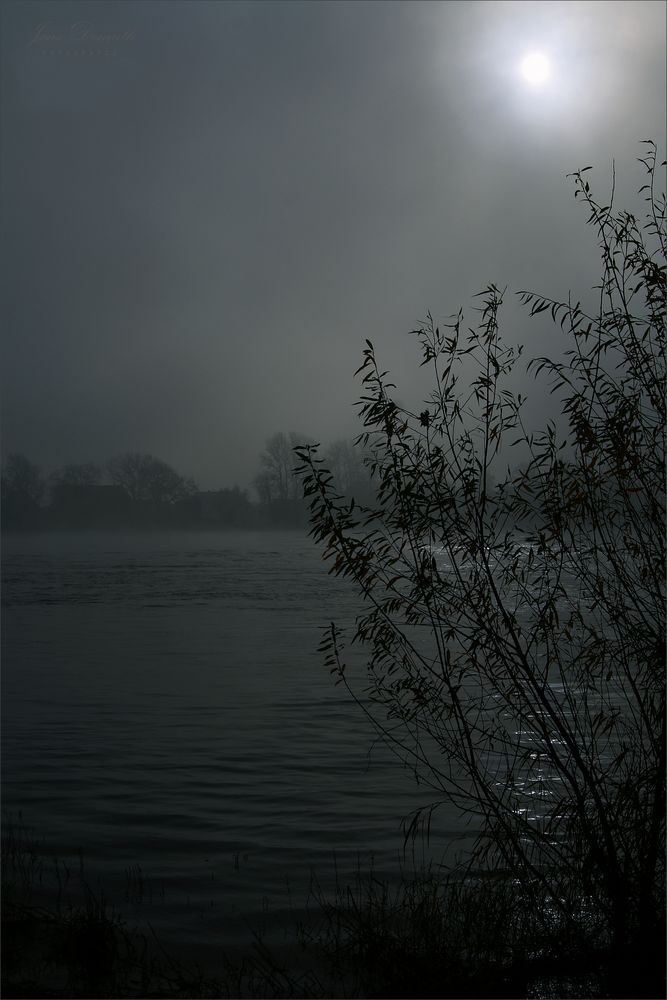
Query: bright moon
[[535, 68]]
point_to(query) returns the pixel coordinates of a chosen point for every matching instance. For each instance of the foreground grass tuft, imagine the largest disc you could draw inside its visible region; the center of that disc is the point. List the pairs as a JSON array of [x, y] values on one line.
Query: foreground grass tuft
[[433, 936]]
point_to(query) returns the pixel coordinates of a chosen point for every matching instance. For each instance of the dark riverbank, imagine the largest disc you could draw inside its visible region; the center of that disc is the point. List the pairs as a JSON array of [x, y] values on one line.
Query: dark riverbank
[[424, 939]]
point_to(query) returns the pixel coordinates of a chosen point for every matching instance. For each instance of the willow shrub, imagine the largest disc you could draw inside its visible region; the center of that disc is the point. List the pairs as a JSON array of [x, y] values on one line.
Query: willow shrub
[[514, 624]]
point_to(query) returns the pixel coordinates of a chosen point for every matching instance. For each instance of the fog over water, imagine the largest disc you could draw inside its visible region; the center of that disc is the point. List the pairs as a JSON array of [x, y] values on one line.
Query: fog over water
[[208, 206]]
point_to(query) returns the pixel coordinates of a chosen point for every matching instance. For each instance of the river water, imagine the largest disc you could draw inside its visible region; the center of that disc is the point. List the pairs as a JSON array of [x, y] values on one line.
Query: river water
[[167, 717]]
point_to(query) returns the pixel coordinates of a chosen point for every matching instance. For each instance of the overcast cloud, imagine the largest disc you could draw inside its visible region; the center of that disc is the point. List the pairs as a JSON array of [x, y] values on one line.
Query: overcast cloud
[[204, 217]]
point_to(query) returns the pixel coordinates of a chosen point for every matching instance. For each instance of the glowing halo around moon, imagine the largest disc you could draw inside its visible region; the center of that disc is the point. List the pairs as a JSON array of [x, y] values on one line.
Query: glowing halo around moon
[[535, 68]]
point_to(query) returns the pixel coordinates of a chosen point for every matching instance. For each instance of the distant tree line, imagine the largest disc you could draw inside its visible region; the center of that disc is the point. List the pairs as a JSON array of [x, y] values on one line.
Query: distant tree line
[[138, 490], [281, 493]]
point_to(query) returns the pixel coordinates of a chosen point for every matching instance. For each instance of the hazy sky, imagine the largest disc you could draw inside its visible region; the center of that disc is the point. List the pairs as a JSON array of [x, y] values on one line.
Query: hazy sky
[[204, 216]]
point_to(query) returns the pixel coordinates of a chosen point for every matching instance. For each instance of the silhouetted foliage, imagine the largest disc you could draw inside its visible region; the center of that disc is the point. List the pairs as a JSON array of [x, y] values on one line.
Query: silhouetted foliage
[[22, 480], [149, 479], [23, 488], [515, 635], [278, 489], [346, 463], [76, 474], [276, 480]]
